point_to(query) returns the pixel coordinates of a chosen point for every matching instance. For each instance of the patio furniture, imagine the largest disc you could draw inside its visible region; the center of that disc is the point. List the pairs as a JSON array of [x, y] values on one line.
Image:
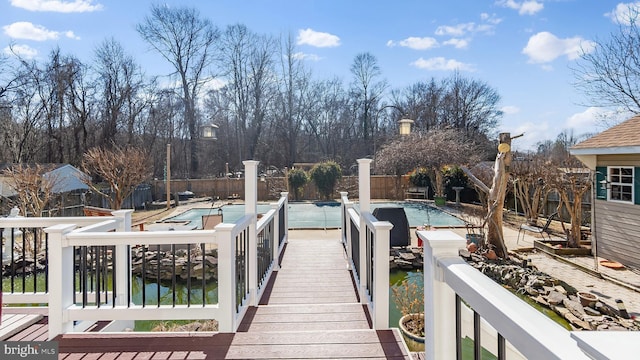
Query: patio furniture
[[536, 229]]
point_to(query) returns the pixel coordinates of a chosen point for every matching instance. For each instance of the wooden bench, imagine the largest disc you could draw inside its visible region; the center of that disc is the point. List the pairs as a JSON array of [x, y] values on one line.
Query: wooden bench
[[96, 211], [417, 192]]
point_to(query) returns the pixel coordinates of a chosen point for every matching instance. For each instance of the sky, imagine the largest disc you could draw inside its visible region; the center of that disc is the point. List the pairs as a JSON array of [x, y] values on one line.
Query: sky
[[524, 49]]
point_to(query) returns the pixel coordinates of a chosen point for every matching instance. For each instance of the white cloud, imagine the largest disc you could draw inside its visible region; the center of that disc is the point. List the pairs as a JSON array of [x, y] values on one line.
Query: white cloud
[[534, 132], [510, 110], [58, 5], [317, 39], [28, 31], [527, 7], [304, 56], [490, 18], [624, 13], [440, 63], [585, 119], [415, 43], [530, 8], [544, 47], [456, 30], [70, 34], [24, 51], [457, 43]]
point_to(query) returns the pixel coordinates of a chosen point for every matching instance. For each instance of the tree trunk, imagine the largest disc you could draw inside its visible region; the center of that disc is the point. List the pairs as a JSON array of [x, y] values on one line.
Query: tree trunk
[[495, 202]]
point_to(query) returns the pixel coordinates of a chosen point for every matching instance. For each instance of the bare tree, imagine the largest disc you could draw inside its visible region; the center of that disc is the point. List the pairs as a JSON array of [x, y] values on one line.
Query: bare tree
[[295, 102], [34, 189], [566, 175], [120, 82], [187, 41], [120, 168], [432, 150], [367, 88], [247, 63], [528, 177], [496, 195], [609, 73]]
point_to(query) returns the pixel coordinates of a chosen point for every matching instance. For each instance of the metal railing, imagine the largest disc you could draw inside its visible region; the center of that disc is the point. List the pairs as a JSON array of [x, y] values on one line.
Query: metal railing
[[94, 264], [366, 243]]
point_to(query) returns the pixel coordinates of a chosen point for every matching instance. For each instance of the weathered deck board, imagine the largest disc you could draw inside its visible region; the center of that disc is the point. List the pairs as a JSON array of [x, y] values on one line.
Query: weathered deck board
[[14, 323]]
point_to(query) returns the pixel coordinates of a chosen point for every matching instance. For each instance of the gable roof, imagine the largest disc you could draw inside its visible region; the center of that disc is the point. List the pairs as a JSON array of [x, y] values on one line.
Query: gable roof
[[66, 178], [623, 138]]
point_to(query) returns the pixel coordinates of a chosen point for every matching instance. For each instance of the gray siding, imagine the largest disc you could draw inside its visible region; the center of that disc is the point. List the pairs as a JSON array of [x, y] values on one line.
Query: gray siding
[[617, 227]]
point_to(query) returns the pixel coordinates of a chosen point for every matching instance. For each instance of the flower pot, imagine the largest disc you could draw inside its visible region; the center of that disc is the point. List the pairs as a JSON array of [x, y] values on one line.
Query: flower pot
[[406, 332], [587, 299], [440, 200]]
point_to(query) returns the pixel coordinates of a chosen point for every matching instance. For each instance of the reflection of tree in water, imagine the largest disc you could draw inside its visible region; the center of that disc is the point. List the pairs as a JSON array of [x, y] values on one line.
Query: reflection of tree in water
[[180, 291]]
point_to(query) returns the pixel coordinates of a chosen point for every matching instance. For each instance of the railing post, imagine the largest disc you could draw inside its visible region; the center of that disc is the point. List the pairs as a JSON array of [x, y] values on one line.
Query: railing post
[[122, 256], [381, 275], [439, 298], [226, 277], [285, 195], [251, 208], [345, 225], [343, 215], [364, 184], [364, 193], [276, 236], [61, 274]]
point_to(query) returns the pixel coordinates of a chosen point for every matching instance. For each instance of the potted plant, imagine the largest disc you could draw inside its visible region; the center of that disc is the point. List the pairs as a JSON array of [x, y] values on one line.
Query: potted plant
[[409, 299]]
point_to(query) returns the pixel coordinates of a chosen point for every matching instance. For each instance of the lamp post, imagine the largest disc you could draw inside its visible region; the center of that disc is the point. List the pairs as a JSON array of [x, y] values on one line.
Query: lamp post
[[168, 185], [404, 126], [210, 132]]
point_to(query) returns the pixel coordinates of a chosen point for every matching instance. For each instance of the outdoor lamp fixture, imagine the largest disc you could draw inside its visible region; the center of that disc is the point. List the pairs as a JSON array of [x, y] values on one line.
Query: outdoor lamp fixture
[[209, 131], [604, 184], [405, 126]]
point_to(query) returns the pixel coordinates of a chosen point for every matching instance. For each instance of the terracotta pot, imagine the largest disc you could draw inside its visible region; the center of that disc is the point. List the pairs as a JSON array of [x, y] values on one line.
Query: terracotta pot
[[406, 332], [587, 299], [491, 255], [472, 247]]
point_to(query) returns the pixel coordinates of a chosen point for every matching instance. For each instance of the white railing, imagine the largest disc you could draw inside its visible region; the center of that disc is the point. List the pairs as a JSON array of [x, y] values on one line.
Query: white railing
[[507, 326], [366, 242], [10, 224], [248, 252]]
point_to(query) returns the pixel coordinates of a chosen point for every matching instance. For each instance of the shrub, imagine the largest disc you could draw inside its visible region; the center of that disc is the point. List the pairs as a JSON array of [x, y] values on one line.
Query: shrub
[[326, 175], [420, 177], [297, 179]]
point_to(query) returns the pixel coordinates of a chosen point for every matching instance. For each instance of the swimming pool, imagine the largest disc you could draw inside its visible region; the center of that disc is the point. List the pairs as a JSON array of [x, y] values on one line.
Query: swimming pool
[[326, 215]]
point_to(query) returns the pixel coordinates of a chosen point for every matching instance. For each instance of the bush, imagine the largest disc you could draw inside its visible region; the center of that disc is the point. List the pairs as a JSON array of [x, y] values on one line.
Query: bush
[[297, 179], [326, 175], [420, 177]]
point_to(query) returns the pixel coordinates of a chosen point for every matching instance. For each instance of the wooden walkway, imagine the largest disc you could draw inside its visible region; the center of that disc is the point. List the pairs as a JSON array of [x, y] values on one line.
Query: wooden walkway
[[309, 311]]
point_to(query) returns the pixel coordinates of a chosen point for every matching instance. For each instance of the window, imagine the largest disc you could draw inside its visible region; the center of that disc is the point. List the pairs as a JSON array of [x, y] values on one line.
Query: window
[[621, 182]]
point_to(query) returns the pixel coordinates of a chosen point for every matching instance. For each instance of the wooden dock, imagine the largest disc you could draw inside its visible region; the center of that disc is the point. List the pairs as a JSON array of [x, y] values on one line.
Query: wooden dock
[[309, 311]]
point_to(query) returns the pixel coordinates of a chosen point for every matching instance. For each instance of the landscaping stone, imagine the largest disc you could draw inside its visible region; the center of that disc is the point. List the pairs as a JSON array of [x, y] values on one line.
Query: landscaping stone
[[552, 293]]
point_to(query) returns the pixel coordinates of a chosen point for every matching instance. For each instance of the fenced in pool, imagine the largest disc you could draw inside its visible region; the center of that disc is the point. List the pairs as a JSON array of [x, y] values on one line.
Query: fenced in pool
[[326, 215]]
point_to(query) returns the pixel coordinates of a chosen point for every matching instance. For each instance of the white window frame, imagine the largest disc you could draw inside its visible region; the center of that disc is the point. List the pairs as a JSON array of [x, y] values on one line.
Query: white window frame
[[616, 180]]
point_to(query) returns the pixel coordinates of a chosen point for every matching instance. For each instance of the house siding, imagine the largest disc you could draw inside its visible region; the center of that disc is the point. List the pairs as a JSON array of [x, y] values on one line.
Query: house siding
[[617, 232]]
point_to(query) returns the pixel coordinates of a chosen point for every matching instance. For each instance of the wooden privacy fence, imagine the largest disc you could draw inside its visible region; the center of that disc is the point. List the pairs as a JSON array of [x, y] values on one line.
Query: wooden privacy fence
[[269, 188]]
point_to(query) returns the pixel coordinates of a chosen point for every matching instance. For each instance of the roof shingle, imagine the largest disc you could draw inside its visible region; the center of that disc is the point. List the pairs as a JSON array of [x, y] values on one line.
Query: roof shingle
[[624, 134]]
